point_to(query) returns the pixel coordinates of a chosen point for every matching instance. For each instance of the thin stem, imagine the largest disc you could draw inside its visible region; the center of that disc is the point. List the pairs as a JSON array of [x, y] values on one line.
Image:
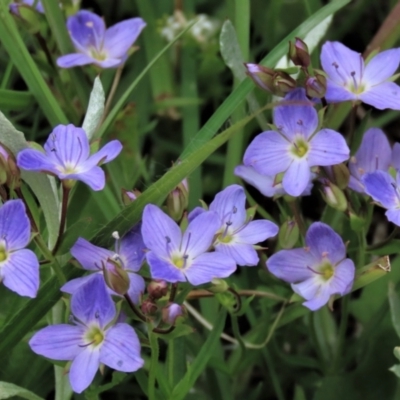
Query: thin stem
[[113, 89], [134, 308], [64, 206], [238, 299], [164, 331], [392, 235], [153, 365], [172, 294], [198, 294]]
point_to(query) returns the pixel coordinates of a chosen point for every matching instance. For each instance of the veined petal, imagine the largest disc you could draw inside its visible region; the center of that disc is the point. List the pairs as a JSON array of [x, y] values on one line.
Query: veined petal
[[87, 31], [83, 369], [106, 154], [243, 254], [58, 342], [136, 287], [256, 232], [327, 147], [109, 62], [382, 188], [324, 242], [94, 178], [160, 233], [292, 265], [337, 93], [199, 234], [230, 206], [382, 96], [315, 292], [297, 177], [68, 147], [393, 215], [15, 227], [120, 37], [20, 272], [74, 284], [341, 64], [91, 257], [164, 269], [381, 67], [74, 60], [355, 184], [343, 278], [268, 153], [132, 249], [35, 160], [121, 349], [195, 213], [265, 184], [208, 266], [91, 302], [296, 117]]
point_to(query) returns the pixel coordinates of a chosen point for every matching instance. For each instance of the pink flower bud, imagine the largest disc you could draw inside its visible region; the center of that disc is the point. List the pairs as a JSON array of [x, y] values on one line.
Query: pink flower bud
[[157, 289], [172, 312]]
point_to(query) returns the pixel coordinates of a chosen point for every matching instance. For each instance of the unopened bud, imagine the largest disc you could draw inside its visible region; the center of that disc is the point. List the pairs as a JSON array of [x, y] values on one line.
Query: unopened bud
[[178, 200], [148, 307], [262, 76], [157, 289], [9, 172], [288, 234], [172, 312], [316, 85], [334, 196], [116, 277], [218, 286], [129, 195], [283, 83], [339, 174], [299, 54]]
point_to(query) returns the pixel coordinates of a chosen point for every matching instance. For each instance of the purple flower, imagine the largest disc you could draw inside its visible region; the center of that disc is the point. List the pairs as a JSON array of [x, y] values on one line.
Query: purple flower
[[350, 79], [14, 7], [177, 257], [269, 186], [171, 312], [94, 339], [317, 271], [386, 191], [373, 154], [295, 146], [129, 255], [237, 234], [67, 155], [19, 267], [106, 48]]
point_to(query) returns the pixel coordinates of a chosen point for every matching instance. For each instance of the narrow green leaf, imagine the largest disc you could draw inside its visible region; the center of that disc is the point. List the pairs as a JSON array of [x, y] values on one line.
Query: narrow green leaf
[[394, 302], [8, 390], [23, 61], [15, 100], [95, 109], [41, 184], [199, 364], [238, 95]]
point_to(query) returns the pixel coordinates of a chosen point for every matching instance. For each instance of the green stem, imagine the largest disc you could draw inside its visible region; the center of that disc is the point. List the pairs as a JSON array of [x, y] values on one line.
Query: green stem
[[113, 89], [64, 206], [48, 255], [134, 309], [153, 365]]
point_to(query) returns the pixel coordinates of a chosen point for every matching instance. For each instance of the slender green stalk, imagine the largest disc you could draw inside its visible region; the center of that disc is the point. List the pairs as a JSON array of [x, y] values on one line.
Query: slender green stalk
[[64, 207], [153, 365], [113, 89]]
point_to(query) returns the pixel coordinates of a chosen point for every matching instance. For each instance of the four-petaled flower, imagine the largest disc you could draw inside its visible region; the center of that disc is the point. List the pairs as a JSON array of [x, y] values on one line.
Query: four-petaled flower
[[177, 257], [93, 339], [19, 267], [350, 79], [106, 48], [373, 154], [295, 146], [237, 234], [385, 190], [67, 155], [128, 255], [318, 271]]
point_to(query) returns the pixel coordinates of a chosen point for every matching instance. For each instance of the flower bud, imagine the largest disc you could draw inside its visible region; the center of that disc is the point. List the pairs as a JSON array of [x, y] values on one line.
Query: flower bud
[[116, 277], [177, 200], [316, 85], [334, 196], [288, 234], [148, 307], [298, 53], [283, 83], [129, 195], [339, 174], [262, 76], [9, 172], [157, 289], [218, 286], [172, 312]]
